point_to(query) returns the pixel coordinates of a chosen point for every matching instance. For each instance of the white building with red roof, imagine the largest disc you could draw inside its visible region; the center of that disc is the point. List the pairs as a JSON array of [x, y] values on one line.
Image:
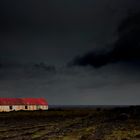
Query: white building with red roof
[[15, 104]]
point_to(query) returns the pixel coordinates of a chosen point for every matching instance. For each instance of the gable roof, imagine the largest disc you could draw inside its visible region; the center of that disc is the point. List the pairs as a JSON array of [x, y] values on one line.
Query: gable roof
[[23, 101]]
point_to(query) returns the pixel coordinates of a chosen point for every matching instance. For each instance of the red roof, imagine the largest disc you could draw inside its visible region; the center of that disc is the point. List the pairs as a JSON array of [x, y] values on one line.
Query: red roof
[[23, 101]]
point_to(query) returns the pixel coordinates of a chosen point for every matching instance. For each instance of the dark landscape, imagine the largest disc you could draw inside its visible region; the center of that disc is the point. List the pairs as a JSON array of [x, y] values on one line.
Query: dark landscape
[[72, 123], [70, 52]]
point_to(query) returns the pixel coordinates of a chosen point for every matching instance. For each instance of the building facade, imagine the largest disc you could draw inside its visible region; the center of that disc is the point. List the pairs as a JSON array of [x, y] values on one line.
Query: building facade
[[16, 104]]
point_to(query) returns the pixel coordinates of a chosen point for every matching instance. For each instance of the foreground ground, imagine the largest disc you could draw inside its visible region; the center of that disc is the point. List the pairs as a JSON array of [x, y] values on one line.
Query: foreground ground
[[72, 124]]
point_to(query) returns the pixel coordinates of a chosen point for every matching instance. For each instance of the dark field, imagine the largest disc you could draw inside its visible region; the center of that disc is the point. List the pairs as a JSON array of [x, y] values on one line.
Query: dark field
[[119, 123]]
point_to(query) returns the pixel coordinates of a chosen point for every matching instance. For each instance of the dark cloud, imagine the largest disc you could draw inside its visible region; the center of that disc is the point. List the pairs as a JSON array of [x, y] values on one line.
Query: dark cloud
[[55, 31], [37, 39], [126, 48], [44, 66], [95, 59]]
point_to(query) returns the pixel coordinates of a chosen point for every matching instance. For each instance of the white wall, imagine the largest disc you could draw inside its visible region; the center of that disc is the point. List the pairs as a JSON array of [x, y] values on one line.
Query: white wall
[[6, 108]]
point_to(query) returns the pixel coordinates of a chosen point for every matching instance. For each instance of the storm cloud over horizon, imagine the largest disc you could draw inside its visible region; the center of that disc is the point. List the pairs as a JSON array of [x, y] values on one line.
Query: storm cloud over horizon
[[71, 52], [125, 49]]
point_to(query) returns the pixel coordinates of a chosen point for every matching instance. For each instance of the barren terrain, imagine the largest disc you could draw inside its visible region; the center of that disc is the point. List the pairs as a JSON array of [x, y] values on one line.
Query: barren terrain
[[72, 124]]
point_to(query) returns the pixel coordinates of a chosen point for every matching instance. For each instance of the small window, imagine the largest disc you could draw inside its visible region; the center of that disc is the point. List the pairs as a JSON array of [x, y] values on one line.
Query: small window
[[10, 107], [26, 107]]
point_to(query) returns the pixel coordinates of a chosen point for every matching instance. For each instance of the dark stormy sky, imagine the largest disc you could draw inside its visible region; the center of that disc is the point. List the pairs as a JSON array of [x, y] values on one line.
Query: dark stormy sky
[[71, 51]]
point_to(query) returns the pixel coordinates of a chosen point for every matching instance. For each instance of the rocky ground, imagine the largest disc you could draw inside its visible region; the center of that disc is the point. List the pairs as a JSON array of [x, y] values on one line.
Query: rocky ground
[[72, 124]]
